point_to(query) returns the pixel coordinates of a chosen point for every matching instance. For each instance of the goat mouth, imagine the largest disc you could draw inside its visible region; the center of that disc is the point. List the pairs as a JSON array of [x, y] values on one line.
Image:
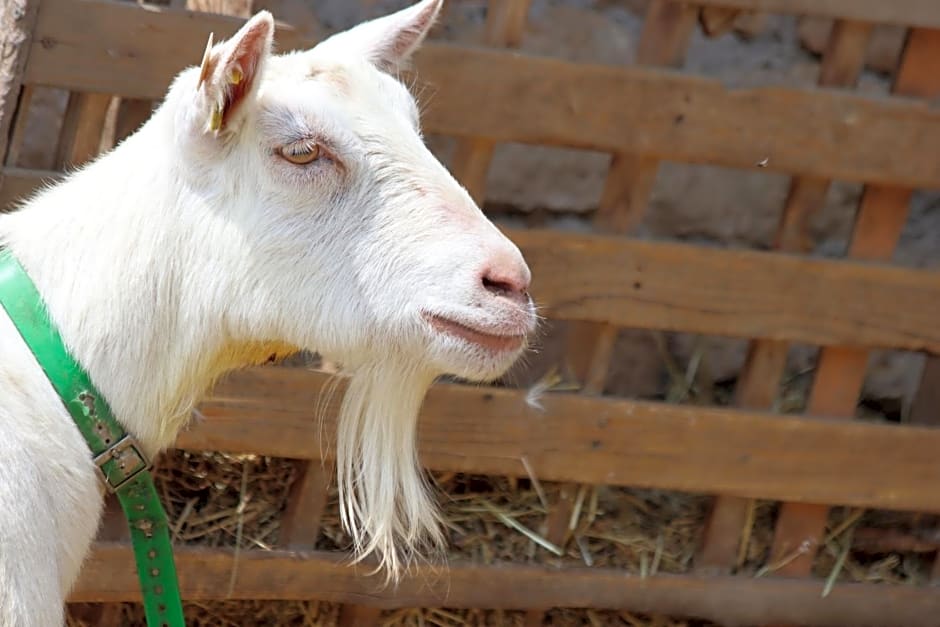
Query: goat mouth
[[497, 343]]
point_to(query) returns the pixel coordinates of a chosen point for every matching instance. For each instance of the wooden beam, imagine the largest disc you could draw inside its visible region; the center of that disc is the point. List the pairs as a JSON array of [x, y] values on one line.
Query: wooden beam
[[759, 383], [505, 25], [841, 370], [16, 184], [504, 96], [108, 576], [903, 12], [270, 411], [737, 293], [82, 126], [667, 29]]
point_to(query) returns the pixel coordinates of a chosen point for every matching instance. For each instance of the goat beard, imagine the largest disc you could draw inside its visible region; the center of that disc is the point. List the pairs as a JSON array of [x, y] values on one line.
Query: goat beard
[[384, 497]]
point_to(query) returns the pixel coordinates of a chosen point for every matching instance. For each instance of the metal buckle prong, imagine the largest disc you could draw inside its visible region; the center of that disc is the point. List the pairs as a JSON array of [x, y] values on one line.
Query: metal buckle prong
[[118, 450]]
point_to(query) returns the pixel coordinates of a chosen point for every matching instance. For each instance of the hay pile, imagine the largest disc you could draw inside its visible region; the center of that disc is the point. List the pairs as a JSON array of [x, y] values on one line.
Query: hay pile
[[214, 499]]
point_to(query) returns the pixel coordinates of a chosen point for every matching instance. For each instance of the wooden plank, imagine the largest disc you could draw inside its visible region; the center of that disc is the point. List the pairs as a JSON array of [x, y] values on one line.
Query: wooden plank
[[359, 616], [505, 96], [132, 113], [269, 411], [737, 293], [17, 21], [81, 129], [722, 292], [108, 576], [841, 370], [667, 29], [764, 368], [305, 505], [904, 12], [18, 130], [505, 25], [925, 409], [16, 184]]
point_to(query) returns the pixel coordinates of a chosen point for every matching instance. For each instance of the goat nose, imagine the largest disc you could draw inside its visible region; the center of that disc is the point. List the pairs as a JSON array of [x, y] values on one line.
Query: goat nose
[[510, 280]]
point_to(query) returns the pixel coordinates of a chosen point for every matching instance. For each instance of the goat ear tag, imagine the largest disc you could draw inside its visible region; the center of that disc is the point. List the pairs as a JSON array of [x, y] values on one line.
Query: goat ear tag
[[206, 68], [215, 120]]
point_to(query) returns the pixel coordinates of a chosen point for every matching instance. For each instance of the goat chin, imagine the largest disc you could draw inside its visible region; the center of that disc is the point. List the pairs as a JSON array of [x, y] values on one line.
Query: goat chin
[[384, 498]]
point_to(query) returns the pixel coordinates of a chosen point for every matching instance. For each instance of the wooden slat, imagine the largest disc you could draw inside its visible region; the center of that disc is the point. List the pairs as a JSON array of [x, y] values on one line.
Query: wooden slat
[[359, 616], [16, 184], [601, 441], [841, 370], [505, 25], [764, 368], [108, 576], [132, 113], [925, 409], [81, 129], [17, 23], [722, 292], [667, 29], [903, 12], [679, 287], [18, 130], [504, 96]]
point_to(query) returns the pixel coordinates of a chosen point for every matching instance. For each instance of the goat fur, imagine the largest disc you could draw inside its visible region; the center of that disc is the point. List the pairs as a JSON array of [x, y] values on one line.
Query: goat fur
[[198, 246]]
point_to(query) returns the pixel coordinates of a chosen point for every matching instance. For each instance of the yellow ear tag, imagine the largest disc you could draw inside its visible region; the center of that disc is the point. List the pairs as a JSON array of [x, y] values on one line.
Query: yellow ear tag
[[236, 76], [215, 122], [206, 68]]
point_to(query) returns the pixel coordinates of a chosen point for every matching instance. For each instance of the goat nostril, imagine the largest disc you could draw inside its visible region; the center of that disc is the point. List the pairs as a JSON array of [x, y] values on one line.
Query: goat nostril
[[506, 287], [499, 288]]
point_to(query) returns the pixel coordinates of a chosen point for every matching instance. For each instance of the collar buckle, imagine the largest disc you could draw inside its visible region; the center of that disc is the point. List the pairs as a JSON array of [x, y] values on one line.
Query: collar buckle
[[130, 459]]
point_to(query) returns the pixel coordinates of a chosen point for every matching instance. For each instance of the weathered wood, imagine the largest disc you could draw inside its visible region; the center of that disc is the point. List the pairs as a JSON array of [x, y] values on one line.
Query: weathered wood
[[503, 96], [505, 25], [108, 576], [17, 23], [759, 382], [18, 129], [359, 616], [16, 184], [600, 441], [132, 113], [904, 12], [841, 370], [82, 125], [739, 293], [925, 409], [667, 29], [305, 505]]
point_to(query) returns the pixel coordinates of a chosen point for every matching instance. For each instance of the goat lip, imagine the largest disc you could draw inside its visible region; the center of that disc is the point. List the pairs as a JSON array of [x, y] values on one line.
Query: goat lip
[[497, 343]]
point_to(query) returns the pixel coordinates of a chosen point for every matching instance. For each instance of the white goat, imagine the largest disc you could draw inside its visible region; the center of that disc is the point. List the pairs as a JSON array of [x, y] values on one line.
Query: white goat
[[272, 203]]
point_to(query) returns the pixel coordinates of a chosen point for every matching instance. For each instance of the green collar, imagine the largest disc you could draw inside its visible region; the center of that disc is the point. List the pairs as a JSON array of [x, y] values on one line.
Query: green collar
[[123, 466]]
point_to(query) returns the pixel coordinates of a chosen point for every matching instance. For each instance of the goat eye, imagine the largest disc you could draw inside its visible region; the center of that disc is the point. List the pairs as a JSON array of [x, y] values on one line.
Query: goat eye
[[301, 155]]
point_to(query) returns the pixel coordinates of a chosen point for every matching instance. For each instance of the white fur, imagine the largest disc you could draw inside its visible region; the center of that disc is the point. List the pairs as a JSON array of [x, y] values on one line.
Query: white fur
[[187, 252]]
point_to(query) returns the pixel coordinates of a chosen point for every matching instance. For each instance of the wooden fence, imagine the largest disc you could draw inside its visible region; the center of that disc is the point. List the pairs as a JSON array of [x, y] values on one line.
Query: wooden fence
[[601, 282]]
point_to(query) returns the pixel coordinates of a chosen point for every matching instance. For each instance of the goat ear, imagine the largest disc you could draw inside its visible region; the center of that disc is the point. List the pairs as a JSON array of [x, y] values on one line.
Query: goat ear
[[388, 42], [231, 70]]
